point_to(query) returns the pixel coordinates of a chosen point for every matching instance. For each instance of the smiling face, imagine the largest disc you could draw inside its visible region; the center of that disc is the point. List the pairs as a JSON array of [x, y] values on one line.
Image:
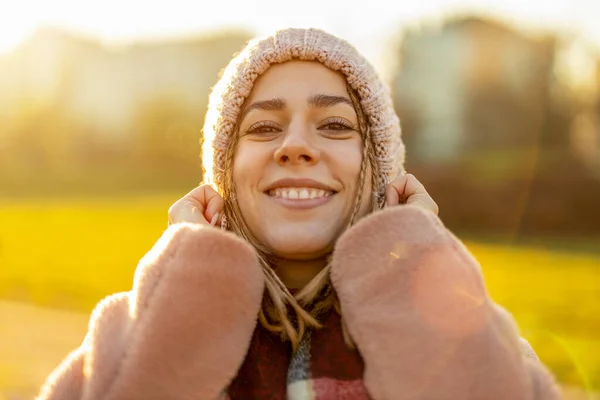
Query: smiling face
[[298, 160]]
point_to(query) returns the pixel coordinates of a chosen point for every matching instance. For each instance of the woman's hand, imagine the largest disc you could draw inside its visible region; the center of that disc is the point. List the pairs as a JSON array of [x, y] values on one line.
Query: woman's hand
[[406, 189], [203, 205]]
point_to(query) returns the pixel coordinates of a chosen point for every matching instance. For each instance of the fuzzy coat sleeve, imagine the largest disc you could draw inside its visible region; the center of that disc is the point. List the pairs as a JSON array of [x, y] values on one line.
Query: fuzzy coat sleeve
[[182, 332], [414, 301]]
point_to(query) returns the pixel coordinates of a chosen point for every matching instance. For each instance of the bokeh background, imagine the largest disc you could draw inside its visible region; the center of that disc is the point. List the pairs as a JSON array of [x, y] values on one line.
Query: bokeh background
[[101, 109]]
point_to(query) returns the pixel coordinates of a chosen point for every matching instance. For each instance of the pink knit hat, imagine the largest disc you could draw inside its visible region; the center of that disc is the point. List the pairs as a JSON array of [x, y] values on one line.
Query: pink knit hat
[[230, 92]]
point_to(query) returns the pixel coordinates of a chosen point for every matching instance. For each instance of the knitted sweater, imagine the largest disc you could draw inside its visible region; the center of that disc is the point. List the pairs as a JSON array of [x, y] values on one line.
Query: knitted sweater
[[412, 297]]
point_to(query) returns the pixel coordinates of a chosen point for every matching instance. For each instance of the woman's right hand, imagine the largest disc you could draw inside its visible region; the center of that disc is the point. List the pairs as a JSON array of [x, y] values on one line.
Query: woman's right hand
[[203, 205]]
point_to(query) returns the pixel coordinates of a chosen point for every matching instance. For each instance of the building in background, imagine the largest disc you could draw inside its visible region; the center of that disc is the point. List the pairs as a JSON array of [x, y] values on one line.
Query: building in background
[[495, 120], [472, 83]]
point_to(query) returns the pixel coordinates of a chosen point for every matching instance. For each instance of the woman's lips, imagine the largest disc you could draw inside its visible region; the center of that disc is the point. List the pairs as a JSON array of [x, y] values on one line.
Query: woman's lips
[[295, 201], [301, 193]]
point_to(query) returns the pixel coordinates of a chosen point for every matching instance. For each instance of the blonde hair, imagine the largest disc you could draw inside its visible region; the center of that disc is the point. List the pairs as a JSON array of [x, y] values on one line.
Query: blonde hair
[[282, 312]]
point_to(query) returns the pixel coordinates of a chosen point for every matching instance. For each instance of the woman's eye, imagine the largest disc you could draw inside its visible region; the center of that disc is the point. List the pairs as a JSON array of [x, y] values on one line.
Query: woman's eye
[[263, 128], [336, 126]]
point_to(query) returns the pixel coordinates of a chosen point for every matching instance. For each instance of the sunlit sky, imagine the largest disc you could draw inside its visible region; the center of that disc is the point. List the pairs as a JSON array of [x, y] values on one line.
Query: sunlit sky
[[366, 23]]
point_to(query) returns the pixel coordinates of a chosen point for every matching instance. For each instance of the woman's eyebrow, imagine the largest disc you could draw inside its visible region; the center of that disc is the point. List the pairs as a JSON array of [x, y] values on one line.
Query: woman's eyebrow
[[276, 104], [325, 100], [318, 101]]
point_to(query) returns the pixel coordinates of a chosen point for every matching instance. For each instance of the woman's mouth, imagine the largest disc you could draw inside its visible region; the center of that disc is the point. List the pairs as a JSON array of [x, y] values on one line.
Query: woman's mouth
[[300, 198], [300, 193]]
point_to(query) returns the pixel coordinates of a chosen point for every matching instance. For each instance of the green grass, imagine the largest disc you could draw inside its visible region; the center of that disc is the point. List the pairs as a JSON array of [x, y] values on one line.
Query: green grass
[[555, 297], [71, 253]]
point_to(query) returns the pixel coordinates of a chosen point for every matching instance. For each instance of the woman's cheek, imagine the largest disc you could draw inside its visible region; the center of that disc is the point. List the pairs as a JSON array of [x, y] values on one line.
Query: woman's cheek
[[247, 163], [349, 159]]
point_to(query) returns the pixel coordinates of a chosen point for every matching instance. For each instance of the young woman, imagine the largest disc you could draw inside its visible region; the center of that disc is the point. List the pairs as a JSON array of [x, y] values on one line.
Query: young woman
[[308, 266]]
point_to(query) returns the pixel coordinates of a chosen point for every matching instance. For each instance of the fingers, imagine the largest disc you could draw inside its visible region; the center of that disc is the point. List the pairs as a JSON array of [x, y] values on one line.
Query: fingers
[[396, 191], [202, 205], [214, 208], [413, 187], [183, 210], [392, 196], [407, 189]]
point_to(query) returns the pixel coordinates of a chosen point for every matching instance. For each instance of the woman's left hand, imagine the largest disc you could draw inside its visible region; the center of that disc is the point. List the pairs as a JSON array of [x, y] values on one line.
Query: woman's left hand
[[406, 189]]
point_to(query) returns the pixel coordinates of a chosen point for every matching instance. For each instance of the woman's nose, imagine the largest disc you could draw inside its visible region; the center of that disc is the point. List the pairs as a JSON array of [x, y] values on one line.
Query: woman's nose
[[297, 147]]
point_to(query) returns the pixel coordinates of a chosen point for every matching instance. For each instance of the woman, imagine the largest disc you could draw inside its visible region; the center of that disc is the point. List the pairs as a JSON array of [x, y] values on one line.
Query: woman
[[330, 277]]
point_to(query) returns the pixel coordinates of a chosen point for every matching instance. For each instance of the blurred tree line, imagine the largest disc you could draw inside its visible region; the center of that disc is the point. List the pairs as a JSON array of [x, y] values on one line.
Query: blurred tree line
[[494, 128], [46, 152], [113, 121]]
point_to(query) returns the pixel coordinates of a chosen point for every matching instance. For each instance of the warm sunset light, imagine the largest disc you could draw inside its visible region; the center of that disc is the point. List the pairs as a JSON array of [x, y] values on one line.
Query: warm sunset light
[[15, 24], [9, 39], [104, 106], [122, 21]]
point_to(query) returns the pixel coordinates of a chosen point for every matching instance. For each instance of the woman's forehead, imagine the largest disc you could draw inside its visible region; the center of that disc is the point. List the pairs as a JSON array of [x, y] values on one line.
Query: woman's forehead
[[298, 78]]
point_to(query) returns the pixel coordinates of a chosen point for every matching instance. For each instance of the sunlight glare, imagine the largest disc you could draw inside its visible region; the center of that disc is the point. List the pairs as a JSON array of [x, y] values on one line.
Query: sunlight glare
[[15, 26]]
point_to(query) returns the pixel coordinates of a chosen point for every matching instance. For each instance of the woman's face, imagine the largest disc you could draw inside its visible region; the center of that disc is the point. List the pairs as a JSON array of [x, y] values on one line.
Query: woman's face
[[298, 159]]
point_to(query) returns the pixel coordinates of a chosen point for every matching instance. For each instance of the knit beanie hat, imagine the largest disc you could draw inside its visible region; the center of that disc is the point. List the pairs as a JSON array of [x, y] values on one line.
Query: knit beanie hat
[[235, 85]]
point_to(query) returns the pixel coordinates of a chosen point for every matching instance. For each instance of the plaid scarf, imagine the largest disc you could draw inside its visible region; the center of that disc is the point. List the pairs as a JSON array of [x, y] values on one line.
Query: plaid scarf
[[322, 368]]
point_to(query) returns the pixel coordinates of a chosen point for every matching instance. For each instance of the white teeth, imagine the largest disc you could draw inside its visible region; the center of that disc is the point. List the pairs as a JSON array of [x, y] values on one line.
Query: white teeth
[[299, 193], [304, 194]]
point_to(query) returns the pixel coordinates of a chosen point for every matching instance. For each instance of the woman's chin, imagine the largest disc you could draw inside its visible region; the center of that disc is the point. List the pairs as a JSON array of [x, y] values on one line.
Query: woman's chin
[[300, 248]]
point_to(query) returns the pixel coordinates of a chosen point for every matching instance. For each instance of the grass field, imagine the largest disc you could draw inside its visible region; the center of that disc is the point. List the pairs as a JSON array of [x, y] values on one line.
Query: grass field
[[68, 254]]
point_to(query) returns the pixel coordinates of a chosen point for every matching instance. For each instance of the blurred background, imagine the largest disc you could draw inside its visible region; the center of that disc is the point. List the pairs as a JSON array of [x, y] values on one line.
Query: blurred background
[[101, 109]]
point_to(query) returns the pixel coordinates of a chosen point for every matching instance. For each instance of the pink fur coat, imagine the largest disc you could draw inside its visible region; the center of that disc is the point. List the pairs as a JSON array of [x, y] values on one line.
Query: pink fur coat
[[412, 296]]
